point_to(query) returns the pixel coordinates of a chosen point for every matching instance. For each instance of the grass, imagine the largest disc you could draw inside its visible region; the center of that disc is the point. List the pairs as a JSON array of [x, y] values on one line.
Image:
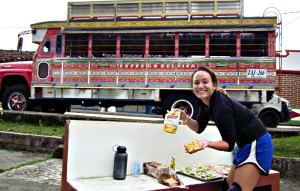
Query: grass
[[22, 127], [40, 129], [292, 122], [287, 147]]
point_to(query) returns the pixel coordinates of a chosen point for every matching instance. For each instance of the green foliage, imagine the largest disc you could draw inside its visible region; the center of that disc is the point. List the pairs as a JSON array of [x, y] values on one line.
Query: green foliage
[[40, 129], [287, 147], [292, 122]]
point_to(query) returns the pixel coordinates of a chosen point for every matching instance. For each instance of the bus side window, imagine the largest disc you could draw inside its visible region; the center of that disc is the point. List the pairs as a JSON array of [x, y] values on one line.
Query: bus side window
[[47, 47], [77, 45], [43, 70], [58, 47]]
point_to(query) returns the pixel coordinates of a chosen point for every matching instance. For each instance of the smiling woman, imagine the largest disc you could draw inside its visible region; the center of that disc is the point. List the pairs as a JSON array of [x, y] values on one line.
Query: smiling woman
[[204, 84], [237, 125]]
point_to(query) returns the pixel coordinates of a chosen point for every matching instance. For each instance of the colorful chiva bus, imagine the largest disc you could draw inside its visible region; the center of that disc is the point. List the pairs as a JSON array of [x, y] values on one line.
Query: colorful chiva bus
[[119, 53]]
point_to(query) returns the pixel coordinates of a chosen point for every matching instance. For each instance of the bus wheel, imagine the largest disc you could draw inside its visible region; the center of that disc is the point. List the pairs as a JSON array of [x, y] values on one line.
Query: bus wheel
[[187, 103], [16, 98], [270, 118]]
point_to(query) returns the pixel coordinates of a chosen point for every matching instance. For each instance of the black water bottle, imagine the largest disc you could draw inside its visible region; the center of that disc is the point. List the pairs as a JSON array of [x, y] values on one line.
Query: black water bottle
[[120, 163]]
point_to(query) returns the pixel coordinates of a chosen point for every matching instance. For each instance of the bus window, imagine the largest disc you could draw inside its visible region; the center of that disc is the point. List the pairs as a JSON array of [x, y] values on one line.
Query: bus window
[[220, 40], [133, 45], [104, 45], [43, 70], [58, 47], [191, 44], [162, 45], [77, 45], [47, 47], [254, 44]]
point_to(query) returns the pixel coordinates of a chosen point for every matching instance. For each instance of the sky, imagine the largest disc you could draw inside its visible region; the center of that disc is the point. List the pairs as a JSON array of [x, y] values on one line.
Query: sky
[[17, 16]]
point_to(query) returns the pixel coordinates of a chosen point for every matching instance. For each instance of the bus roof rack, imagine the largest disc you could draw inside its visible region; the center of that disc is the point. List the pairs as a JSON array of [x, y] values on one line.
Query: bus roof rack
[[151, 8]]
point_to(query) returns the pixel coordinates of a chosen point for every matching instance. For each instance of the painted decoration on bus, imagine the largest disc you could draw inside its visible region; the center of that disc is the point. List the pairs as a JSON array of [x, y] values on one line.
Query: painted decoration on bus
[[103, 73], [131, 73], [226, 71], [156, 74], [254, 73], [161, 74], [56, 72], [75, 72]]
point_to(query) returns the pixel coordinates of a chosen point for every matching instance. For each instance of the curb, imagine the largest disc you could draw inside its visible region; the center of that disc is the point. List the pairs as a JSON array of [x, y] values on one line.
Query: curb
[[29, 142], [288, 167], [60, 119], [277, 133]]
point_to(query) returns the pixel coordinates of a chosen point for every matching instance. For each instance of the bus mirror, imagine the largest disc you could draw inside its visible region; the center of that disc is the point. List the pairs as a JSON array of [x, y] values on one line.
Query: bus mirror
[[20, 44]]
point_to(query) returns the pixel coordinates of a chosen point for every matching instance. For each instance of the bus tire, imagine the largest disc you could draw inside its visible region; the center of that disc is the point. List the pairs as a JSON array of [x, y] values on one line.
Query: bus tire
[[16, 98], [270, 118], [185, 102]]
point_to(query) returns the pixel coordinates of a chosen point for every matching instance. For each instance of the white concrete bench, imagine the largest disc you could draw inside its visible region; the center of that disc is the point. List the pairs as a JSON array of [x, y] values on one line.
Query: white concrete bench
[[88, 155]]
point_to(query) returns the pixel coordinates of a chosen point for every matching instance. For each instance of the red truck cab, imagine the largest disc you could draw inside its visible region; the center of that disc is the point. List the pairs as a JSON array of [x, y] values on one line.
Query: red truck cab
[[15, 83]]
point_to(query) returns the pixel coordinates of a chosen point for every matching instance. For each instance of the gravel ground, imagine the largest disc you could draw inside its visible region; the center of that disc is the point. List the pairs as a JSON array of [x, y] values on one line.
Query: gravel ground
[[289, 184]]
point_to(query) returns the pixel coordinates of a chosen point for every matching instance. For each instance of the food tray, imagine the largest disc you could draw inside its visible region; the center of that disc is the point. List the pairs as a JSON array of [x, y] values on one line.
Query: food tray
[[221, 169], [200, 178], [205, 173]]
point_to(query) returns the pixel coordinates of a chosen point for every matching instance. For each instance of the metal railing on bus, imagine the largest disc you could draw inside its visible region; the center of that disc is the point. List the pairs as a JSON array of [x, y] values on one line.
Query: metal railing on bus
[[150, 8]]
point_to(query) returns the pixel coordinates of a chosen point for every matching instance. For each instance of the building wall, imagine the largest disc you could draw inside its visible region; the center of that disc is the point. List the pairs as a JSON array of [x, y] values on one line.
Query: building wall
[[290, 86]]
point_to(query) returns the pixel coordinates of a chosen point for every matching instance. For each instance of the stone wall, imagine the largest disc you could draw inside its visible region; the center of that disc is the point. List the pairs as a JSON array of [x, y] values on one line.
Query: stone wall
[[28, 142], [288, 167]]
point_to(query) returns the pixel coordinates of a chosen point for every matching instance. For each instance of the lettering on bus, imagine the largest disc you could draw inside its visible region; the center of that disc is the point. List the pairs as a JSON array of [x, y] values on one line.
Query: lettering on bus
[[256, 73]]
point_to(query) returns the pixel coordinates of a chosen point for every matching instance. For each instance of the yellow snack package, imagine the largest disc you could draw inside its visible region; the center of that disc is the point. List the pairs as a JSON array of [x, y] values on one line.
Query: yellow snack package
[[171, 122]]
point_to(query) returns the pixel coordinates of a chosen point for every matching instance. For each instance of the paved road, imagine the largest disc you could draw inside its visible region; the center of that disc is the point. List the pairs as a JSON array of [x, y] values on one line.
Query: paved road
[[32, 175]]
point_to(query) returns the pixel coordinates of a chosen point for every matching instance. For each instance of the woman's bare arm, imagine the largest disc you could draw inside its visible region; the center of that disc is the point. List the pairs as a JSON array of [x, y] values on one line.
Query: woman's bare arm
[[192, 124], [218, 145]]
